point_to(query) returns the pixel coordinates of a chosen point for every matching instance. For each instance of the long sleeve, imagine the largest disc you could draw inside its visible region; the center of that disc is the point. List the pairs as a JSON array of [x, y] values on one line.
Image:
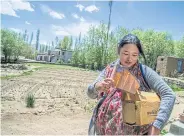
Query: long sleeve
[[91, 91], [166, 94]]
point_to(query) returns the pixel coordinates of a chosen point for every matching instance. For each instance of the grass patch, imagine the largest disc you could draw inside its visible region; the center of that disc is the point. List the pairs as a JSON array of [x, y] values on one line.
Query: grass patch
[[30, 101], [9, 77], [39, 66], [176, 88], [25, 73], [163, 132], [57, 66]]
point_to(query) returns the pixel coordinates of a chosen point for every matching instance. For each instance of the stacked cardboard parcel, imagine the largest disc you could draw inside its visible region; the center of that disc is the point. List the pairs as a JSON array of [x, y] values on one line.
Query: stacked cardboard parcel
[[139, 107]]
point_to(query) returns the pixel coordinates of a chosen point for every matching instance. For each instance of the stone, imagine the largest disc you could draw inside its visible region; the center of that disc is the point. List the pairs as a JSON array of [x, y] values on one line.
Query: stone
[[177, 128], [169, 134]]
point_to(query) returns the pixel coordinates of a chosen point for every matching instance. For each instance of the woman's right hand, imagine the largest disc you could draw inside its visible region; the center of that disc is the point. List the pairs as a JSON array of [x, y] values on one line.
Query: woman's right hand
[[104, 85]]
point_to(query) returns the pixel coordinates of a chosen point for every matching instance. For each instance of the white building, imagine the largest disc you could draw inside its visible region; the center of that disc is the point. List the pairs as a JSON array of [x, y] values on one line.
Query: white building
[[55, 55]]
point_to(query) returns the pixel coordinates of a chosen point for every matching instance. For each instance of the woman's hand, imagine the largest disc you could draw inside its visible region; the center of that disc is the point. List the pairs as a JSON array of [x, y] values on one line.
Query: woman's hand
[[104, 85], [154, 131]]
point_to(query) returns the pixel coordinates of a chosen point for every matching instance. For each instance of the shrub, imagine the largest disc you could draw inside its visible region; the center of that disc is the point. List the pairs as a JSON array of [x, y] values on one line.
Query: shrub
[[30, 100]]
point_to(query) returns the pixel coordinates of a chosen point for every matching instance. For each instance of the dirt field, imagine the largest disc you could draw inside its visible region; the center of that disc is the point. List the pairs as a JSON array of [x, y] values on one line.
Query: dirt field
[[61, 107]]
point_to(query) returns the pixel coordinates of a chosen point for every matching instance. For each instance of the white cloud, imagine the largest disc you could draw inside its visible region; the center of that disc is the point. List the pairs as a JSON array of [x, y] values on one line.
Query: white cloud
[[21, 5], [57, 15], [10, 7], [26, 22], [75, 15], [92, 8], [78, 17], [81, 7], [7, 9], [82, 19], [72, 29], [16, 30], [51, 12]]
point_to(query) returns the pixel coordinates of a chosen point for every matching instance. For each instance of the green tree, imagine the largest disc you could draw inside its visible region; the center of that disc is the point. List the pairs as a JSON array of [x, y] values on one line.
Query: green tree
[[70, 43], [37, 39], [108, 28], [52, 45], [56, 41], [13, 45], [179, 48], [155, 44], [31, 39], [64, 44], [7, 43], [90, 50], [25, 35]]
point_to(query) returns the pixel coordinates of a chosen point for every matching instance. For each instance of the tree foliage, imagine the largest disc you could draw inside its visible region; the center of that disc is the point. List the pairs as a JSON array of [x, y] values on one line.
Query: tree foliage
[[179, 48], [13, 46], [90, 52], [66, 43]]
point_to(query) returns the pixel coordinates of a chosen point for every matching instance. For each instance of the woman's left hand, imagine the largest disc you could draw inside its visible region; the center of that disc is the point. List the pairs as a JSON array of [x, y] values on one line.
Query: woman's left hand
[[154, 131]]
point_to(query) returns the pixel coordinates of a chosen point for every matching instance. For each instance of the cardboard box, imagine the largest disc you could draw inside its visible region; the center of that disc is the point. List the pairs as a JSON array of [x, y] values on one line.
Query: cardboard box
[[125, 81], [140, 109]]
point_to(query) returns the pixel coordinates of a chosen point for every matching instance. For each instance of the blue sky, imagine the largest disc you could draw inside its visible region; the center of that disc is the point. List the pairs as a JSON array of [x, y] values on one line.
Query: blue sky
[[62, 18]]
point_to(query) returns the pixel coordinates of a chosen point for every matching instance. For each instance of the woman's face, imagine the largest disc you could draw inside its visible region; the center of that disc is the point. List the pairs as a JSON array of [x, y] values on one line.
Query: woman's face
[[129, 54]]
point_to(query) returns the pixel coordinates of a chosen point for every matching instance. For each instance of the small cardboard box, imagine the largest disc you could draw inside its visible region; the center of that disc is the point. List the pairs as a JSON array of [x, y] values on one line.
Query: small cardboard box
[[140, 109], [124, 80]]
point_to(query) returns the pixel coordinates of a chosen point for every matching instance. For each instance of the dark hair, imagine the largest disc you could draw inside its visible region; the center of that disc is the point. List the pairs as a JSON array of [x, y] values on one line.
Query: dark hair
[[131, 39]]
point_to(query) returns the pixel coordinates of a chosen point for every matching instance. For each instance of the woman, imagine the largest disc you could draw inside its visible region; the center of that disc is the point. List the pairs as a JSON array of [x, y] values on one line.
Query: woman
[[108, 117]]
